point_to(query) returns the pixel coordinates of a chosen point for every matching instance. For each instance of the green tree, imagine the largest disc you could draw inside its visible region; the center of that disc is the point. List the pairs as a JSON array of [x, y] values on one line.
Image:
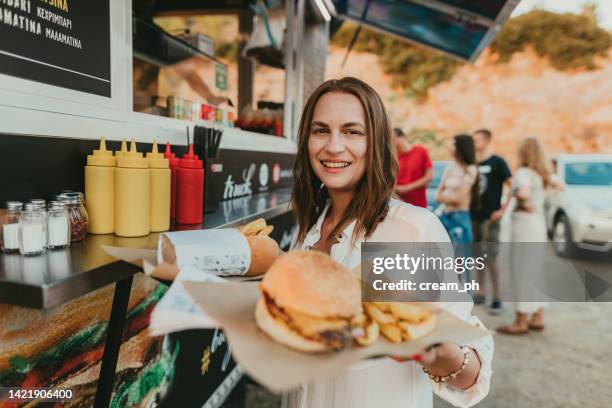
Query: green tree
[[412, 68], [567, 40]]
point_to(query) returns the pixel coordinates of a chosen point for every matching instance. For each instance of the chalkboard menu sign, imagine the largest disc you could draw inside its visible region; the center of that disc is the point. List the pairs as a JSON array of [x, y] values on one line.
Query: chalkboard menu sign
[[57, 42]]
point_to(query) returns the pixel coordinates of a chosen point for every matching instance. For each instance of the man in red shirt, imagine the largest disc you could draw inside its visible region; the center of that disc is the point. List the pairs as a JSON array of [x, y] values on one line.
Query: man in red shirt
[[415, 170]]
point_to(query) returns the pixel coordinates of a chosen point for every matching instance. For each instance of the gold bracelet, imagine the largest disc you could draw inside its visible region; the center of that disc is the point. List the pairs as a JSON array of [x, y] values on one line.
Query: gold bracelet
[[442, 379]]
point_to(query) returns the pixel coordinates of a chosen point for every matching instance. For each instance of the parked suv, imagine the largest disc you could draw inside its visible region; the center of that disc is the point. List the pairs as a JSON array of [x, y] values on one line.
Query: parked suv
[[580, 217]]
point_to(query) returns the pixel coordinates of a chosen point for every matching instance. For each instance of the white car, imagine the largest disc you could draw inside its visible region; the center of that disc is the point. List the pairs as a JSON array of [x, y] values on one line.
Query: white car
[[580, 217]]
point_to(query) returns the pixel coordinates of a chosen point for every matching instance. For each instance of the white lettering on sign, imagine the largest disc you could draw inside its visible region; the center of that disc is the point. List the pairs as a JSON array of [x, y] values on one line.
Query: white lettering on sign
[[54, 18], [20, 5], [264, 174], [63, 38], [233, 189], [16, 20]]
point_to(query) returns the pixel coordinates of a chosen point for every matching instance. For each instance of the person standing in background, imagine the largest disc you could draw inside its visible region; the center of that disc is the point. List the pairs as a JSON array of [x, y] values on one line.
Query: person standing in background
[[415, 170], [458, 190], [494, 173], [531, 181]]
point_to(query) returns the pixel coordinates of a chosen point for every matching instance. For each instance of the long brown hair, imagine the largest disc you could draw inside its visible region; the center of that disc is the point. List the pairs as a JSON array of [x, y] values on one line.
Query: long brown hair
[[371, 200], [466, 154], [531, 155]]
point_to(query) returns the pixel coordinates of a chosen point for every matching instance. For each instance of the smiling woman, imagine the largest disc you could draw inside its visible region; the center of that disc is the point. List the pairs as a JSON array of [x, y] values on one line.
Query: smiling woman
[[342, 147], [344, 175]]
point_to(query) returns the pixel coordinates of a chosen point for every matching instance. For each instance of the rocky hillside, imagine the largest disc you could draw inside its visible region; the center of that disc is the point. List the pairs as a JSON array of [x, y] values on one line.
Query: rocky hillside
[[571, 111]]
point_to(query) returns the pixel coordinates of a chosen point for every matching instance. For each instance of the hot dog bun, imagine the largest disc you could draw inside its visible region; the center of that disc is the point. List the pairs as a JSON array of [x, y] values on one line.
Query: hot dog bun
[[264, 251]]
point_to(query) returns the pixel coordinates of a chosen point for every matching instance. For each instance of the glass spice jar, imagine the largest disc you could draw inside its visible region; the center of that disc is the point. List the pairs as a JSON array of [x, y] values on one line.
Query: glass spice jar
[[42, 204], [58, 225], [9, 238], [32, 230], [79, 221]]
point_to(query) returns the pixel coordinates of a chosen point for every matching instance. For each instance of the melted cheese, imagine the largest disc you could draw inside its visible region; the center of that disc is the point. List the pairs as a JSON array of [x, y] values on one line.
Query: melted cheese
[[310, 325]]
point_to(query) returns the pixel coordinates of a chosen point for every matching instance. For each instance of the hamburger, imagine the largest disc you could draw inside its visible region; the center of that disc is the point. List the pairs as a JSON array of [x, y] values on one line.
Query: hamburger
[[308, 302]]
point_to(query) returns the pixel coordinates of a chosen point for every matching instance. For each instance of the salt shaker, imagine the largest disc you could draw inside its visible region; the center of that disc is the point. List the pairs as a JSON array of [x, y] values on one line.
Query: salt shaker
[[32, 230], [42, 204], [58, 225], [9, 240]]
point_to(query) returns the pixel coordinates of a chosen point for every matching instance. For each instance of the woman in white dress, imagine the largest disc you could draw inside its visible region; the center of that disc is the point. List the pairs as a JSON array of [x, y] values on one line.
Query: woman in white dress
[[528, 224], [344, 177]]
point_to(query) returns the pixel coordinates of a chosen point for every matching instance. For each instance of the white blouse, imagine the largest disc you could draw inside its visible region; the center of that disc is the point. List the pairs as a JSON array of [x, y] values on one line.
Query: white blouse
[[384, 382], [528, 178]]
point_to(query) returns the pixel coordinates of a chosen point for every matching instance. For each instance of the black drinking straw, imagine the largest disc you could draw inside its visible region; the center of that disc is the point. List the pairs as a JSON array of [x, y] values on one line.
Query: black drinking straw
[[218, 142]]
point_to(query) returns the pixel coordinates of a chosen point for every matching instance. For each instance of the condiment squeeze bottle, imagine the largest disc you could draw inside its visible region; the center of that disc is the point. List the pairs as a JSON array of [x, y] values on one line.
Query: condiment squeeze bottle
[[100, 190], [190, 189], [173, 161], [132, 194], [160, 190]]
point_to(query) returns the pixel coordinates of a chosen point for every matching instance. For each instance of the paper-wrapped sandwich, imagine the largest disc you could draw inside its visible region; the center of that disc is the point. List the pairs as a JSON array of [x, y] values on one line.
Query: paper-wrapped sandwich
[[262, 250]]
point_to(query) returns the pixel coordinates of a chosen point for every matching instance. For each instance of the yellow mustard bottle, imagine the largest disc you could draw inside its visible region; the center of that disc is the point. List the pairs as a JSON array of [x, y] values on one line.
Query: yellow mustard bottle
[[132, 194], [123, 150], [100, 190], [160, 190]]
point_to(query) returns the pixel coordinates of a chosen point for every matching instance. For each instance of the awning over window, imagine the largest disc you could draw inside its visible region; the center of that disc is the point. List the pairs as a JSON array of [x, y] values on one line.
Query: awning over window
[[461, 28]]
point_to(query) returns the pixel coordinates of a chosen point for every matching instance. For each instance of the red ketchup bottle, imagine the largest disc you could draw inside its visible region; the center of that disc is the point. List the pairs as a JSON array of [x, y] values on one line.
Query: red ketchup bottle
[[278, 126], [190, 189], [174, 162]]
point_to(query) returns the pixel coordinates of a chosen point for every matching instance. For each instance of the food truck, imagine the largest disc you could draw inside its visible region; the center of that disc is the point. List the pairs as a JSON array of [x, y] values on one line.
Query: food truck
[[71, 72]]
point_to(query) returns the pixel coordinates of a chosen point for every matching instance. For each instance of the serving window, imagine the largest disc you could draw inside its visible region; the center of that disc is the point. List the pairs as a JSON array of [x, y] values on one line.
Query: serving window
[[195, 67]]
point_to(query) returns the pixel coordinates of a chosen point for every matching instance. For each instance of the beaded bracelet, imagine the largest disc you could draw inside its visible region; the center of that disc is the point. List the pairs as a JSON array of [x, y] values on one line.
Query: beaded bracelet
[[442, 379]]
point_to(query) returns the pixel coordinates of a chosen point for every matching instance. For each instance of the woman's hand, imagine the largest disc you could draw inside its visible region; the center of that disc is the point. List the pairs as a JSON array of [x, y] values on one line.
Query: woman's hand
[[524, 205], [496, 215], [444, 358]]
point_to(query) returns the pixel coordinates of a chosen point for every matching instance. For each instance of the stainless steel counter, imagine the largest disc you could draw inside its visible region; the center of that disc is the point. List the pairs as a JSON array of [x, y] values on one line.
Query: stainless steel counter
[[56, 277]]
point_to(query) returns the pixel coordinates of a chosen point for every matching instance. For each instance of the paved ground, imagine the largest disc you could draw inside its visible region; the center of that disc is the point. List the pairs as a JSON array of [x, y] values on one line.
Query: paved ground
[[568, 365]]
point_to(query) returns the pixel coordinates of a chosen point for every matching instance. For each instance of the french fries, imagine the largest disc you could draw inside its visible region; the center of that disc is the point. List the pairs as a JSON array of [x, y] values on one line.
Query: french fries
[[383, 306], [410, 312], [359, 320], [391, 332], [400, 321], [267, 230], [378, 315], [371, 334], [256, 227]]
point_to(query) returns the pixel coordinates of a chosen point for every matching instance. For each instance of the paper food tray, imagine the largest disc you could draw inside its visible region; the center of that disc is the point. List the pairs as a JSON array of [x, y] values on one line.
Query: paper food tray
[[280, 368]]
